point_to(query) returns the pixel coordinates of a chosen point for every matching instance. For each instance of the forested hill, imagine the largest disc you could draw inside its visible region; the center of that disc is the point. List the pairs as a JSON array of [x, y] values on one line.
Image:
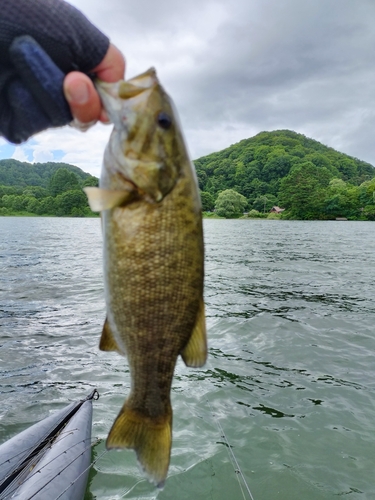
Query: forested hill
[[21, 174], [43, 189], [283, 168], [256, 166], [301, 175]]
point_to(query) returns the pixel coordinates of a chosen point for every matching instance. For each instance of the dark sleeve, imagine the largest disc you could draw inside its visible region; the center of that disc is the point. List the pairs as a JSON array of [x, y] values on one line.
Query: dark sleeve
[[61, 30], [40, 42]]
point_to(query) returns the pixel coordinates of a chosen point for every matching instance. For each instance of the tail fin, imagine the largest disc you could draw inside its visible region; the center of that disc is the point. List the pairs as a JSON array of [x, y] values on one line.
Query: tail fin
[[150, 438]]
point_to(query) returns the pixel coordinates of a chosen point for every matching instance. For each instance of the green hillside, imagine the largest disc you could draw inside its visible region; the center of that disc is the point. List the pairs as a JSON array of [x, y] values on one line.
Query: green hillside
[[276, 168], [53, 189], [17, 173], [282, 168]]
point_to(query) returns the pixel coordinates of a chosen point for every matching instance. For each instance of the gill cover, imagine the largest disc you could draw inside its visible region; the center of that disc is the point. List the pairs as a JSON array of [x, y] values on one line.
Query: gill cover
[[144, 146]]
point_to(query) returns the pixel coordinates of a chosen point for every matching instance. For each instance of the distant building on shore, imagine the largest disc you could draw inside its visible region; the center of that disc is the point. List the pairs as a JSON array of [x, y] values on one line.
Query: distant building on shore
[[277, 210]]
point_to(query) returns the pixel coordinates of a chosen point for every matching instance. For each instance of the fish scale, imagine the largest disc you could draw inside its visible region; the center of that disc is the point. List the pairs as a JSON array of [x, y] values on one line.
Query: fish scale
[[153, 261]]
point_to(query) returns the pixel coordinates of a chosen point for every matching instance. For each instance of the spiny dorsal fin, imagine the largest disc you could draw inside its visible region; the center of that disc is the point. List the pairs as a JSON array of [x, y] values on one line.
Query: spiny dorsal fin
[[107, 341], [104, 199], [195, 352], [150, 438]]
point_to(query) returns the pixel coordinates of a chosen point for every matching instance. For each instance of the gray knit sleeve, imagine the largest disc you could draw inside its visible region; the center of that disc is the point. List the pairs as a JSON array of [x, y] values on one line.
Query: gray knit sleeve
[[61, 30], [40, 42]]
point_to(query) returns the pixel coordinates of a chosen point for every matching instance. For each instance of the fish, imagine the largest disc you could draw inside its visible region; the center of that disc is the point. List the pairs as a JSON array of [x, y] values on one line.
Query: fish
[[153, 254]]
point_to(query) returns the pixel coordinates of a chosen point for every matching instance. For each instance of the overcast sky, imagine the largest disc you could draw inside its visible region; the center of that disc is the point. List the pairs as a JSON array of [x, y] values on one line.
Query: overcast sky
[[236, 68]]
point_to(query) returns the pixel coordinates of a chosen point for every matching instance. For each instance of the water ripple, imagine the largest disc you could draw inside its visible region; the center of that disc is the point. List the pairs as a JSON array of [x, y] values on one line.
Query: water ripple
[[289, 379]]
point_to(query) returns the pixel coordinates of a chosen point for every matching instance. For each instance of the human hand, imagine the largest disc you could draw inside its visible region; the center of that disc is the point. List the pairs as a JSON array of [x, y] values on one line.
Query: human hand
[[80, 92], [48, 52]]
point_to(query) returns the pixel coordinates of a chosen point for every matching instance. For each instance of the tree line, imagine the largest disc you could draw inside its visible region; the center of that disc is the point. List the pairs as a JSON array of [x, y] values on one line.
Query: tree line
[[279, 168], [59, 195], [286, 169]]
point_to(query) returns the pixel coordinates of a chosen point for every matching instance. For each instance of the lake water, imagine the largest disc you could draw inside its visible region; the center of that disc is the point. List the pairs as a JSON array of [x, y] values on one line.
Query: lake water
[[289, 386]]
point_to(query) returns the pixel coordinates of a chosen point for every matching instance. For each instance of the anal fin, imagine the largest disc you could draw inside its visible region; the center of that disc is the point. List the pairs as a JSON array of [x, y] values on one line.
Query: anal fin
[[107, 341], [195, 352]]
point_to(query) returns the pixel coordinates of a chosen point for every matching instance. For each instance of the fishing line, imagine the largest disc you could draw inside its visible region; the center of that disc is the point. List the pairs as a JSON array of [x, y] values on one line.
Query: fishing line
[[45, 444], [232, 457], [104, 452], [132, 488], [38, 469], [32, 462], [68, 465]]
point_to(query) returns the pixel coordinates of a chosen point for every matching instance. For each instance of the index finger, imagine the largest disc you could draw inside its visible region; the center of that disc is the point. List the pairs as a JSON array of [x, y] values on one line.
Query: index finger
[[112, 67]]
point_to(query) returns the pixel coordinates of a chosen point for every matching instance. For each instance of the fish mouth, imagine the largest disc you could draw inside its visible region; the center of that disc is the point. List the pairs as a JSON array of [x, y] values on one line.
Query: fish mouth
[[138, 84], [146, 79], [123, 97], [126, 89]]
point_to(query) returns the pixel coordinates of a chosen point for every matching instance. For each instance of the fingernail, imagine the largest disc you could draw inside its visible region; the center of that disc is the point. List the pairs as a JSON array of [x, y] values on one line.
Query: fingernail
[[78, 93], [104, 118]]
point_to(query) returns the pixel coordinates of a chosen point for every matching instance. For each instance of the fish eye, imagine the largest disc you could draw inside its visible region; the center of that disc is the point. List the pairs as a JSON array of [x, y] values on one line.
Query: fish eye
[[164, 120]]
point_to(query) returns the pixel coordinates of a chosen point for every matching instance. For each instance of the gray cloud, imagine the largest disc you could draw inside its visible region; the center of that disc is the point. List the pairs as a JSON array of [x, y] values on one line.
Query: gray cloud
[[237, 68]]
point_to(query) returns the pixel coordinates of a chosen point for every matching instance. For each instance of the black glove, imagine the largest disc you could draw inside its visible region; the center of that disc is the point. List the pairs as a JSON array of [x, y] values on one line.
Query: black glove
[[31, 87]]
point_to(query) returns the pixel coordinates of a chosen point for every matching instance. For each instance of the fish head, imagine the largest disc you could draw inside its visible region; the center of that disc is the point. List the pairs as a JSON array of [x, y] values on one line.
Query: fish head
[[146, 143]]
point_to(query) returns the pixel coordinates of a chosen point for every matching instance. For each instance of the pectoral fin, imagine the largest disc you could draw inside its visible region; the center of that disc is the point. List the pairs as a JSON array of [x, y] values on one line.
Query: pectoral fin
[[104, 199], [107, 341], [195, 352]]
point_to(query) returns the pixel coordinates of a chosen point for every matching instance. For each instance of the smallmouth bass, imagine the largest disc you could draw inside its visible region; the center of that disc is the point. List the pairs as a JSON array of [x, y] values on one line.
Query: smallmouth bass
[[153, 261]]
